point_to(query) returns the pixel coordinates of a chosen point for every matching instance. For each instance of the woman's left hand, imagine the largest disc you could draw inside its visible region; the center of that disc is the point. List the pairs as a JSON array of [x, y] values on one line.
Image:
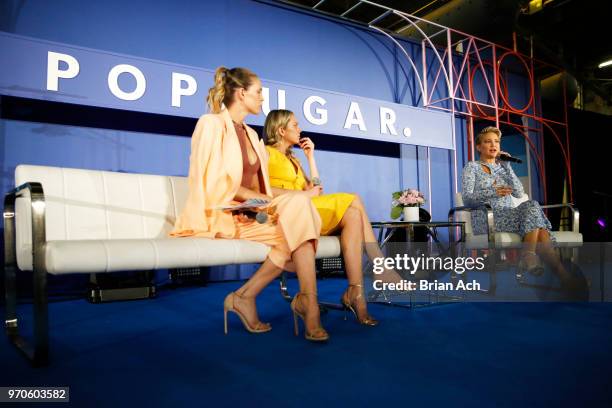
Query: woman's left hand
[[307, 146]]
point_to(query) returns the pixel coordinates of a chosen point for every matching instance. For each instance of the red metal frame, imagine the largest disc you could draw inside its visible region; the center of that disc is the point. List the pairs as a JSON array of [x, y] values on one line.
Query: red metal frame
[[444, 87]]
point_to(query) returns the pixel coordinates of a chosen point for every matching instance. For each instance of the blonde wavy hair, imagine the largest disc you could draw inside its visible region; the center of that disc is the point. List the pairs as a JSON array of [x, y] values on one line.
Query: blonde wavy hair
[[279, 119], [488, 129], [226, 82]]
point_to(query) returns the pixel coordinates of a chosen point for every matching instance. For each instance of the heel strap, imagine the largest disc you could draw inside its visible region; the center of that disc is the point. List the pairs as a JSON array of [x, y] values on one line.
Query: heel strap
[[298, 295], [241, 296], [356, 285]]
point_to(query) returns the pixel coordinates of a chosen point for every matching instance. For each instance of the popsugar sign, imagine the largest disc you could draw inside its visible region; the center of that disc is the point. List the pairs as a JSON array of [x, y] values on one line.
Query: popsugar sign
[[50, 71]]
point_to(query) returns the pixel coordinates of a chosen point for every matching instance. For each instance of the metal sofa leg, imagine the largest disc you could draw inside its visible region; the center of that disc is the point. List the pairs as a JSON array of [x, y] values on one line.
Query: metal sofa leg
[[324, 306], [283, 287], [38, 352]]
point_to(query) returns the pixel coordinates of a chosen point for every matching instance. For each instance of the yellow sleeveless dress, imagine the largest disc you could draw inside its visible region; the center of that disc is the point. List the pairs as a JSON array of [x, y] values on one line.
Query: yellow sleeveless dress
[[285, 174]]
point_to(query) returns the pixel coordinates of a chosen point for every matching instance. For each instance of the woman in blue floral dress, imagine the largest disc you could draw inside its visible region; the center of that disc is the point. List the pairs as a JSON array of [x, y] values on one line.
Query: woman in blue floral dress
[[493, 182]]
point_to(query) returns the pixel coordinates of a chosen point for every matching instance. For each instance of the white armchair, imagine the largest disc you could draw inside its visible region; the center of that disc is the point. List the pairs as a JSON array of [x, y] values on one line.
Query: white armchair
[[504, 240]]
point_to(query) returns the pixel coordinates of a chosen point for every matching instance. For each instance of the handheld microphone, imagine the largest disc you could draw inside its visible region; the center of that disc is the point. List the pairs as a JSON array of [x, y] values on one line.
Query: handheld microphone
[[261, 217], [250, 209], [508, 158]]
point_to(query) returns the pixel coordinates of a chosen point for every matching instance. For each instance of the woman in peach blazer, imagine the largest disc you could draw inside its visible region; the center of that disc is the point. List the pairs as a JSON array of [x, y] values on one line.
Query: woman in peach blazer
[[228, 164]]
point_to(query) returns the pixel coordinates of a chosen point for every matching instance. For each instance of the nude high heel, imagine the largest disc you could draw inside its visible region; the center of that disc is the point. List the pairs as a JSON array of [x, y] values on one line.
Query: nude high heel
[[318, 334], [228, 306], [349, 304]]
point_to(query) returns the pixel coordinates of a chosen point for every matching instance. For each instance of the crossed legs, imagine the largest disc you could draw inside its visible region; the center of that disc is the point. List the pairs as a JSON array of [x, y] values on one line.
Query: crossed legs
[[303, 259], [355, 230]]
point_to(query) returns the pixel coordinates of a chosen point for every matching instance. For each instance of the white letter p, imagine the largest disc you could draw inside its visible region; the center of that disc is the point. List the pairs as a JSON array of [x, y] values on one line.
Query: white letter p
[[54, 72]]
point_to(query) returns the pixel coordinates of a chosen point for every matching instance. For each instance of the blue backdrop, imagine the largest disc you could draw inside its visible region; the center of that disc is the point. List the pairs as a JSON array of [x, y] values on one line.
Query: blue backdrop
[[277, 43]]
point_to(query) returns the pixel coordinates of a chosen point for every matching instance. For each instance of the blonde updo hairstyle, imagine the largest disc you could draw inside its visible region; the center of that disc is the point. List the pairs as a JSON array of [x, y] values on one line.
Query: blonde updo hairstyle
[[279, 119], [226, 82], [488, 129]]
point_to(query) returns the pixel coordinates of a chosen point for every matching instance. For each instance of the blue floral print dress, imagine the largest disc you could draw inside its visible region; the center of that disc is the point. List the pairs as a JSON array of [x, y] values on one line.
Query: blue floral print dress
[[478, 188]]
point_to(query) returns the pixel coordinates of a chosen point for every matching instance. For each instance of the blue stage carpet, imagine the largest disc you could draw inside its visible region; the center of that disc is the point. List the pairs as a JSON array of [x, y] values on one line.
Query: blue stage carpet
[[171, 351]]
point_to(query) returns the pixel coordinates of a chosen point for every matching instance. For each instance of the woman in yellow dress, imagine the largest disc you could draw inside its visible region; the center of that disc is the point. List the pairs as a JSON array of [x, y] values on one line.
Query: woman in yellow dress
[[340, 212]]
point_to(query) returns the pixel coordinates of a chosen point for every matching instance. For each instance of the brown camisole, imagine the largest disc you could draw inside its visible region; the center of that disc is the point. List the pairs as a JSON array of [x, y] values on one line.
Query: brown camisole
[[251, 172]]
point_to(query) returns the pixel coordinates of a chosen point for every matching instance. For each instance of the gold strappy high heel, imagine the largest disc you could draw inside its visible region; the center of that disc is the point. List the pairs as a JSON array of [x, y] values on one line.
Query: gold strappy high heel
[[349, 304], [228, 306], [318, 334]]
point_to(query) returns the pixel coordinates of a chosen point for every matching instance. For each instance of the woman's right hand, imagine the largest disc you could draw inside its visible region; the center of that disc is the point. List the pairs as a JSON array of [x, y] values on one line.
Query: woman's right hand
[[502, 191], [307, 146]]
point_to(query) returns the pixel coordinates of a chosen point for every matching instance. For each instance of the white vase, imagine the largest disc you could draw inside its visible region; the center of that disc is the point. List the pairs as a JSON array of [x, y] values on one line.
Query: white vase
[[411, 214]]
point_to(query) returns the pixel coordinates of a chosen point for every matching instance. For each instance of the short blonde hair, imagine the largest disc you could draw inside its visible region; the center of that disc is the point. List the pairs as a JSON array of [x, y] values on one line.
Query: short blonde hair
[[488, 129], [277, 119]]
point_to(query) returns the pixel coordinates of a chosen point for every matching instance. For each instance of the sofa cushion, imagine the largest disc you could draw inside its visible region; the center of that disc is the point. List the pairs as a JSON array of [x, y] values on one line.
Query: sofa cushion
[[89, 256]]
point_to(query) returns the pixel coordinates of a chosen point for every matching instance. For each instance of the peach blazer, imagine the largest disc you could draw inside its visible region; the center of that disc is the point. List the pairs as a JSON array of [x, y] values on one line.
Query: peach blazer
[[215, 173]]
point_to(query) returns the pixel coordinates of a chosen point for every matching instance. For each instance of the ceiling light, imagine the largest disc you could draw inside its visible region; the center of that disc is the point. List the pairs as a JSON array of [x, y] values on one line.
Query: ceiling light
[[605, 63], [535, 6]]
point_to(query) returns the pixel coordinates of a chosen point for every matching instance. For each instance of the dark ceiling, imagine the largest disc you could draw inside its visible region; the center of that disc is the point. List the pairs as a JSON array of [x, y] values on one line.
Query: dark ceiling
[[572, 34]]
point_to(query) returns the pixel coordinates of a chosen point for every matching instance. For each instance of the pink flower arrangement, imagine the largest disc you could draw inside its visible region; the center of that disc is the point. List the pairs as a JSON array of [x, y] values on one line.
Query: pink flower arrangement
[[405, 198], [409, 198]]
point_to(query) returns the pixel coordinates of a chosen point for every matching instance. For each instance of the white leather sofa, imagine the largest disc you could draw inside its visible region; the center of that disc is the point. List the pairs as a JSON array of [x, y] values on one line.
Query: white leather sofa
[[63, 221]]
